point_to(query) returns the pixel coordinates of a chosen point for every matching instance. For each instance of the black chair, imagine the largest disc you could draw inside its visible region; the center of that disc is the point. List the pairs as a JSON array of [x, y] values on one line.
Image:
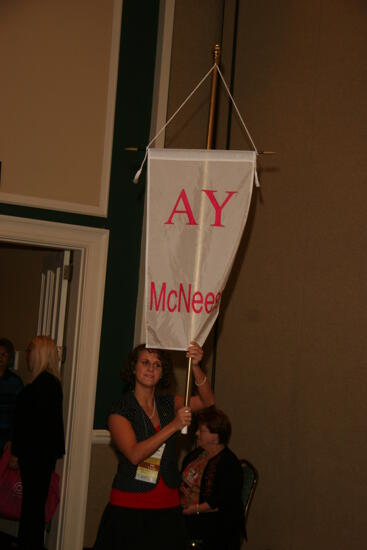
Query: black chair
[[250, 477]]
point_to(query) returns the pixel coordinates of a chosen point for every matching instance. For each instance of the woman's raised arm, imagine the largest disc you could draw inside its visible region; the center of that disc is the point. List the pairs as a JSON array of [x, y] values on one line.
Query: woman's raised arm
[[206, 397]]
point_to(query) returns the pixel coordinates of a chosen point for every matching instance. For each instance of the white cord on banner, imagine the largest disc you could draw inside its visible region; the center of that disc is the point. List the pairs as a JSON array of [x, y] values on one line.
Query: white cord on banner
[[256, 177], [138, 173], [237, 111]]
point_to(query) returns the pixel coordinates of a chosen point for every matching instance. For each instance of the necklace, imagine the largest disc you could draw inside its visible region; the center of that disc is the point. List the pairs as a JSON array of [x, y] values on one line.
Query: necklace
[[153, 411], [150, 417]]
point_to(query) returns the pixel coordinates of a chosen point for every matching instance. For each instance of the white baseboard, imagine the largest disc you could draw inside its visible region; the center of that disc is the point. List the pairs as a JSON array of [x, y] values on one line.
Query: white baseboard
[[101, 437]]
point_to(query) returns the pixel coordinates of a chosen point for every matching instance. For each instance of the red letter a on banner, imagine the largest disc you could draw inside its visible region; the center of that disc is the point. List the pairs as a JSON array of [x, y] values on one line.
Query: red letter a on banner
[[186, 211]]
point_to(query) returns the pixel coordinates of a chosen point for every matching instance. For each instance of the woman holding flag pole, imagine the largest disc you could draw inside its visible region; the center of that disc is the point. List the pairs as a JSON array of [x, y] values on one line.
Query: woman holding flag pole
[[144, 509]]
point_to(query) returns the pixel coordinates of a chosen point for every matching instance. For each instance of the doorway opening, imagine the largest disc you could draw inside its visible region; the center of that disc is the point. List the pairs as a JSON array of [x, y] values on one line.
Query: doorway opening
[[88, 247]]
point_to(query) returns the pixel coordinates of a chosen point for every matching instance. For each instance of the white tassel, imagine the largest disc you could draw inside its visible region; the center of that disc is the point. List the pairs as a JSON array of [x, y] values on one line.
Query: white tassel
[[256, 178], [137, 175]]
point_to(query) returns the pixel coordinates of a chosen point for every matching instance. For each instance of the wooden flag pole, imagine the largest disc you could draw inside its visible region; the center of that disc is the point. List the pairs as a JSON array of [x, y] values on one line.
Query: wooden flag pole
[[209, 145]]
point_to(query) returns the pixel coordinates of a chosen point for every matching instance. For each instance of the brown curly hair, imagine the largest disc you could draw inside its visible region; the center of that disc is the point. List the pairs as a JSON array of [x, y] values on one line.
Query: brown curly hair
[[128, 371]]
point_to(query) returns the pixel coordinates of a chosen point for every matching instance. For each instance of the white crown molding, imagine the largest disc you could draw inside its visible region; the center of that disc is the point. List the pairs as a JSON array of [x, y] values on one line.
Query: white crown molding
[[50, 204]]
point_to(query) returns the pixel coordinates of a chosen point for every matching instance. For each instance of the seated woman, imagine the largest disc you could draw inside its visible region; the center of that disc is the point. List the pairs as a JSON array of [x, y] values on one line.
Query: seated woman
[[211, 486]]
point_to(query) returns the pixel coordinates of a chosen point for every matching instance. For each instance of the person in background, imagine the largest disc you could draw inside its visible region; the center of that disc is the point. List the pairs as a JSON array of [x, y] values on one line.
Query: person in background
[[38, 437], [211, 486], [144, 511], [10, 386]]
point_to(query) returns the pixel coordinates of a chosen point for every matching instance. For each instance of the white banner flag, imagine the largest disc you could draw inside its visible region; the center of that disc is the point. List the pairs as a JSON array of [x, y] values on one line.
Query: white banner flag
[[198, 203]]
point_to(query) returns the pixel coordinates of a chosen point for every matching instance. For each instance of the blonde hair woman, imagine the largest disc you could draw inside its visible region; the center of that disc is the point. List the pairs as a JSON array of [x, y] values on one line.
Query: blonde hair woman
[[38, 437], [42, 355]]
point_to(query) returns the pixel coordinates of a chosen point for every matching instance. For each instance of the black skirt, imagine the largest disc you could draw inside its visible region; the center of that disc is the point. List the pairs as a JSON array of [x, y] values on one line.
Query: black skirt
[[213, 531], [140, 529]]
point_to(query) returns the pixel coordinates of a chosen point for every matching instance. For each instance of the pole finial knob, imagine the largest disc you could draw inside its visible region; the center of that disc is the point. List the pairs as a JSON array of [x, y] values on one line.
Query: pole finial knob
[[216, 52]]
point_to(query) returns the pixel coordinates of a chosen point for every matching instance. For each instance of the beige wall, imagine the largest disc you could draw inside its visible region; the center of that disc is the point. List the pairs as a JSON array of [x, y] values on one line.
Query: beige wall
[[197, 28], [291, 348], [20, 276], [102, 470], [54, 108]]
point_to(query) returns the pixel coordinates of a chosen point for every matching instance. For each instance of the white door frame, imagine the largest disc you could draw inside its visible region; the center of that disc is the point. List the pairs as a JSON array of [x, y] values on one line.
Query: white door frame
[[93, 245]]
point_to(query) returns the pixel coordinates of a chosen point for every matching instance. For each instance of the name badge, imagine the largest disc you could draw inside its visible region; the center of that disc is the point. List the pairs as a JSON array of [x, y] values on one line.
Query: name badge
[[149, 468]]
